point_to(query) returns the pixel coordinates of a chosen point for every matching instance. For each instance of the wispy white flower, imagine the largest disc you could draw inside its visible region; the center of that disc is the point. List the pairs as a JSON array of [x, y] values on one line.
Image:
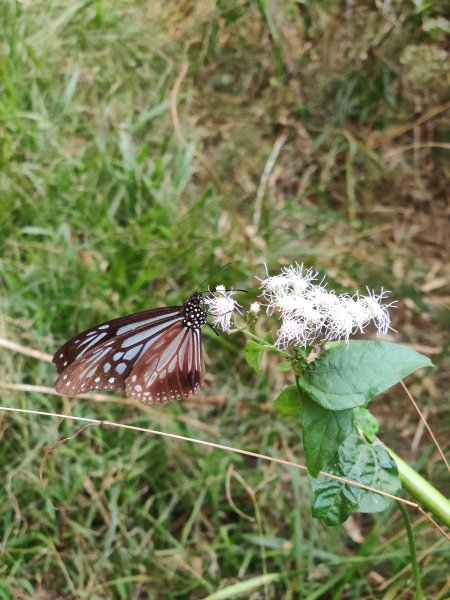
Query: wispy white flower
[[309, 312], [289, 304], [298, 277], [378, 312], [293, 280], [255, 307], [323, 300], [357, 310], [292, 331], [339, 324], [221, 306], [276, 283]]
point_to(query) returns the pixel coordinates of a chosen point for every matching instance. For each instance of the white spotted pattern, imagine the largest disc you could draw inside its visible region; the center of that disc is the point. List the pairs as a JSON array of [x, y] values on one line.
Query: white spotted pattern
[[155, 355]]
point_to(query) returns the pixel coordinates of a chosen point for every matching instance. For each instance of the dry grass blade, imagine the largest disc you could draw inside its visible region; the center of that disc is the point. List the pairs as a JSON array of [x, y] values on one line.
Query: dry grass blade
[[24, 350], [56, 445], [424, 421], [177, 126], [183, 438], [268, 168], [232, 473]]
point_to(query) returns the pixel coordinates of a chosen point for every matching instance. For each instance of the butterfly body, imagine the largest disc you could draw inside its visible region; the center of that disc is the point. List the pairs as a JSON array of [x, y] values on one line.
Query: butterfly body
[[154, 355]]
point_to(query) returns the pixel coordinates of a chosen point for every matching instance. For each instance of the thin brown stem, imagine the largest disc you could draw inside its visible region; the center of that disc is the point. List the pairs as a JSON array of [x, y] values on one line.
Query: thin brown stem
[[25, 350], [426, 425], [205, 443]]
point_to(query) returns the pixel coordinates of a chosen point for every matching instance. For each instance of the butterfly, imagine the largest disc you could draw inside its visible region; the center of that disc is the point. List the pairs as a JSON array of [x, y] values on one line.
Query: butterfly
[[154, 355]]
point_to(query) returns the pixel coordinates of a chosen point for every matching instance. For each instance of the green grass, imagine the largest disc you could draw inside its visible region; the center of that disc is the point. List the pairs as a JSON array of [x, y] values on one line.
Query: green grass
[[104, 210]]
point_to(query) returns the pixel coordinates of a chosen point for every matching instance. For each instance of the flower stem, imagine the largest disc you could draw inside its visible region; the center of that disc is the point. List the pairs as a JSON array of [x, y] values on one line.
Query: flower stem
[[426, 495], [261, 341], [412, 551]]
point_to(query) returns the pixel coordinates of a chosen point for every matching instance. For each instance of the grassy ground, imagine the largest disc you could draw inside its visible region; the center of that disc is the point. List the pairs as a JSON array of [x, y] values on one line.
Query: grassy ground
[[143, 145]]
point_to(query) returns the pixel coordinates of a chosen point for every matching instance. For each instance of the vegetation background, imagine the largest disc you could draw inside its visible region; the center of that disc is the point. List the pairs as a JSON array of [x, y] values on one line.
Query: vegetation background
[[145, 144]]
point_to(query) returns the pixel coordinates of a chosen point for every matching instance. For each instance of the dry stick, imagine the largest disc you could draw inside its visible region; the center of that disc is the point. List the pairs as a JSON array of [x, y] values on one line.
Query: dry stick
[[42, 389], [268, 168], [205, 443], [230, 473], [397, 130], [426, 425], [177, 126], [56, 445], [401, 149], [173, 104], [223, 447], [25, 350], [27, 387], [418, 434]]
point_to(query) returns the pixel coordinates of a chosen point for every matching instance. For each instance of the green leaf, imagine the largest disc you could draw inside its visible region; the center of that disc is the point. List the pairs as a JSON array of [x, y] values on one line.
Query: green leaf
[[352, 374], [366, 422], [253, 354], [323, 432], [371, 465], [284, 366], [288, 402]]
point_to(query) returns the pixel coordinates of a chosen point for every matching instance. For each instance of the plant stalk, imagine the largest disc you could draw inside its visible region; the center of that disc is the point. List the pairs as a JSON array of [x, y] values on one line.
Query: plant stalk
[[412, 551], [426, 495]]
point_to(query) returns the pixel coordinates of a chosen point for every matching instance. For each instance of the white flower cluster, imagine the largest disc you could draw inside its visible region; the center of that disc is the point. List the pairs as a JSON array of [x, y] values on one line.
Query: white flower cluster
[[221, 306], [309, 312]]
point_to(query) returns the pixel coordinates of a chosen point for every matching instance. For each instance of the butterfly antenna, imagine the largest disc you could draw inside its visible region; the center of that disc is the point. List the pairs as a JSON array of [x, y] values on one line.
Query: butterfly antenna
[[209, 276], [208, 291]]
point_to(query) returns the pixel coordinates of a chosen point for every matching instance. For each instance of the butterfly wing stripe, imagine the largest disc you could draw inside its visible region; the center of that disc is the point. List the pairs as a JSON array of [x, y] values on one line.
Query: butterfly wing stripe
[[72, 349], [192, 371], [151, 379], [127, 328], [181, 355], [142, 335], [198, 357], [96, 339], [170, 350]]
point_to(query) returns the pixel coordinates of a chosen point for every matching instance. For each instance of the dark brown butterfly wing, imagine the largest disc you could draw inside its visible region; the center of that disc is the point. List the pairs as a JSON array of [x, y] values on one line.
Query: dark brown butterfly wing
[[155, 355], [105, 364], [84, 342], [171, 369]]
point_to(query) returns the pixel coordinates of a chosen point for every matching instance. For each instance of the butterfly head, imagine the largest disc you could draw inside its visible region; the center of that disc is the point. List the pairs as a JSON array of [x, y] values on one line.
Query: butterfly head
[[193, 314]]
